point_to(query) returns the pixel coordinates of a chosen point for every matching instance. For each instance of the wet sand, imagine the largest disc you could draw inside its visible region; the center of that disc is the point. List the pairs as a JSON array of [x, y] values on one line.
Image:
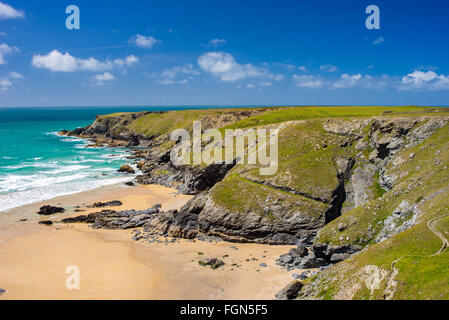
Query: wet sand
[[34, 258]]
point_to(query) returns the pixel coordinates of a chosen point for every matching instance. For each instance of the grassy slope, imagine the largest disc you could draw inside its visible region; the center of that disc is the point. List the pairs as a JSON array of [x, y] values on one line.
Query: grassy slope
[[305, 113], [304, 150], [421, 276], [225, 196]]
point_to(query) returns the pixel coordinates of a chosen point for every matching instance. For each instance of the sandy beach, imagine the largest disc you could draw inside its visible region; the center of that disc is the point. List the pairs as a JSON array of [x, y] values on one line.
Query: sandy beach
[[34, 257]]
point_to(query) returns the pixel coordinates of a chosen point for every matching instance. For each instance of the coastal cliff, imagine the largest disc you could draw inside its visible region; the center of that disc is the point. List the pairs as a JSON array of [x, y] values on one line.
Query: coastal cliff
[[355, 187]]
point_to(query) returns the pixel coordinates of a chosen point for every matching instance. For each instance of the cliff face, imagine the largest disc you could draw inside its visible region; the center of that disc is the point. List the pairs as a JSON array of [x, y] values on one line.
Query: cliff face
[[348, 179]]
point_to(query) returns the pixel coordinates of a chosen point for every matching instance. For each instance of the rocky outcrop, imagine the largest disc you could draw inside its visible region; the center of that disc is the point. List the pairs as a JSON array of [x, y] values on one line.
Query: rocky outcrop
[[128, 219], [288, 227], [290, 292], [214, 263], [126, 168], [359, 185], [182, 223], [316, 256], [200, 216], [90, 218], [46, 222], [403, 217], [110, 219], [113, 203], [186, 179], [49, 210]]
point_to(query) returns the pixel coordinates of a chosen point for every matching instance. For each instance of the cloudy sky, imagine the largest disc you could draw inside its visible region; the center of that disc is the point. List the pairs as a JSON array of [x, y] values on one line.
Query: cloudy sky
[[210, 52]]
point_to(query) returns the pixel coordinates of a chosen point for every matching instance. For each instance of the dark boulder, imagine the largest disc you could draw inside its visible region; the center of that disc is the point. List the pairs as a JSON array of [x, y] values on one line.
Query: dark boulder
[[47, 222], [49, 210], [108, 219], [114, 203], [214, 263], [291, 291], [126, 168], [90, 218]]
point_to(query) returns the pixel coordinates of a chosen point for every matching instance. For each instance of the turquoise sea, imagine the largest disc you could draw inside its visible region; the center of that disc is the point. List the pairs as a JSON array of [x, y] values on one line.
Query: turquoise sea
[[37, 164]]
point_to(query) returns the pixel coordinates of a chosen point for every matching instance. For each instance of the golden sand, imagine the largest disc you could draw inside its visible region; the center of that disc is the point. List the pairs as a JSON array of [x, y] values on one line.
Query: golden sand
[[34, 258]]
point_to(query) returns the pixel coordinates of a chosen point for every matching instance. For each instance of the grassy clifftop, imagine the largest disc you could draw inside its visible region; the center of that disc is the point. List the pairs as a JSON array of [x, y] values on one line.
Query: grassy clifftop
[[159, 123]]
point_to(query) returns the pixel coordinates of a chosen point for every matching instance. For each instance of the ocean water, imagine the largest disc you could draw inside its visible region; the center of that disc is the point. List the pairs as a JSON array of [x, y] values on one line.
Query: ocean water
[[37, 164]]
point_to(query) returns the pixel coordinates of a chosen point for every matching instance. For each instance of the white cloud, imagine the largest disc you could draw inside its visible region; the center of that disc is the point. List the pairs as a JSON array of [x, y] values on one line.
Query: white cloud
[[287, 66], [56, 61], [144, 41], [328, 68], [302, 69], [419, 80], [8, 12], [308, 81], [129, 61], [379, 40], [215, 43], [223, 66], [5, 50], [15, 75], [177, 75], [100, 79], [347, 81], [7, 82], [344, 81]]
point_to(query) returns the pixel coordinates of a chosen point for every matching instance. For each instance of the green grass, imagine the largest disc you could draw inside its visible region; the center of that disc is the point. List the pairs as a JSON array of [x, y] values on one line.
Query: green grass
[[421, 275], [224, 195], [378, 191], [304, 164], [305, 113]]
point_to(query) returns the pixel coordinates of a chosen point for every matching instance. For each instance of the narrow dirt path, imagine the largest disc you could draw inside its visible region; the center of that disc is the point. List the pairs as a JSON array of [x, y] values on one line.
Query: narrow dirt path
[[430, 225], [392, 283]]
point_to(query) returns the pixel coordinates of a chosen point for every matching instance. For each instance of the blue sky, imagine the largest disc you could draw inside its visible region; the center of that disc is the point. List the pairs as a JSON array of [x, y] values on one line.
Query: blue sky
[[223, 53]]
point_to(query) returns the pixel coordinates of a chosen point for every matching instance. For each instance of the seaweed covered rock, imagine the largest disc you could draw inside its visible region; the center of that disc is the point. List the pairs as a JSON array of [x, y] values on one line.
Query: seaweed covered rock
[[126, 168]]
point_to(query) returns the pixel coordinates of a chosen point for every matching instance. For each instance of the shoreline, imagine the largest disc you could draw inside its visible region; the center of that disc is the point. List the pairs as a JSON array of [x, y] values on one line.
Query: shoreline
[[113, 266]]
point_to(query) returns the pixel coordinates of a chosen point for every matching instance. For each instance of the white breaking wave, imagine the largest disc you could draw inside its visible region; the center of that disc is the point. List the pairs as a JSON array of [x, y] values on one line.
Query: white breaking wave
[[33, 165], [21, 182], [86, 161], [65, 169], [115, 156], [42, 193], [72, 140]]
